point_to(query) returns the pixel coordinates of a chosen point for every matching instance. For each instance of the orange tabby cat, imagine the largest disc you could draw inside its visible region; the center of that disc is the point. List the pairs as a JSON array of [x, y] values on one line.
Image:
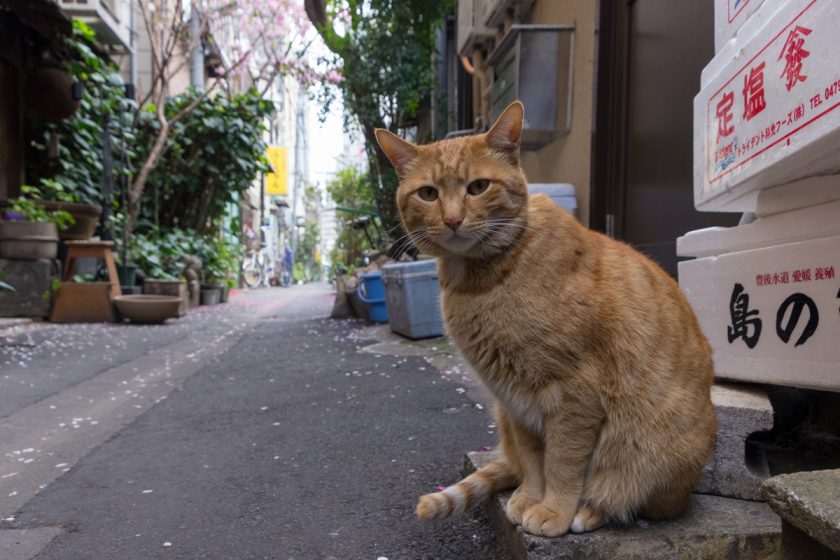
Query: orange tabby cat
[[597, 363]]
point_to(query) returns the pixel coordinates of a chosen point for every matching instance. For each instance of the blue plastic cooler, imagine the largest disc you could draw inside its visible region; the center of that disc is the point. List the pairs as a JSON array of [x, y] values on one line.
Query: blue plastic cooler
[[372, 292]]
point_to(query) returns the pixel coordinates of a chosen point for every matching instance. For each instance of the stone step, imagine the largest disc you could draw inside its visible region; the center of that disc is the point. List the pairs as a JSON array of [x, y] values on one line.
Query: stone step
[[713, 528], [809, 504]]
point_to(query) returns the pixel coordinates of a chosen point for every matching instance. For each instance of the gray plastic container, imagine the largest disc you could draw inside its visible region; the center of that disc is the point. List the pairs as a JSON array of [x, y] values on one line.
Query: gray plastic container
[[412, 295]]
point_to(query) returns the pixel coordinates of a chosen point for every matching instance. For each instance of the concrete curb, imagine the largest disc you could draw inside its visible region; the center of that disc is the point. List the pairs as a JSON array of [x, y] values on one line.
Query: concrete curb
[[713, 528]]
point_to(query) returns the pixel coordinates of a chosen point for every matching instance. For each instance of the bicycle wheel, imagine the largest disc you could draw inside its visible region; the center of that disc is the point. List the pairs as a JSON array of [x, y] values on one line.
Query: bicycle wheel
[[251, 274]]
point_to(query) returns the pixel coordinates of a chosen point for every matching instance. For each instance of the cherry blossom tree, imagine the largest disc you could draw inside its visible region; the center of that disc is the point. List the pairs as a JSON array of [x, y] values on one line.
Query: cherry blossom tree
[[252, 42]]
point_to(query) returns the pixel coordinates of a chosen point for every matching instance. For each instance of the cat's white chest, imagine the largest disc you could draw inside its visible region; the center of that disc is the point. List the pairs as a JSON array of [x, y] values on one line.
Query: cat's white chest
[[505, 374], [520, 406]]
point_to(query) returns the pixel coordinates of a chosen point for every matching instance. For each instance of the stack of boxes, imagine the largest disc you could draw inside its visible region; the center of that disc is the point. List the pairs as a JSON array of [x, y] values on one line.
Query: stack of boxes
[[767, 141]]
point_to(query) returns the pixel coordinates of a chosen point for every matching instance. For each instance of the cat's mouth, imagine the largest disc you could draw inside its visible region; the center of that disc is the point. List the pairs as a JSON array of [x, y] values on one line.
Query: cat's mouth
[[459, 242]]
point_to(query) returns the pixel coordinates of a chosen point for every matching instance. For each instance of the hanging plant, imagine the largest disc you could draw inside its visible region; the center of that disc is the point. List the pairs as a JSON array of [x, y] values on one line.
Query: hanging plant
[[65, 158]]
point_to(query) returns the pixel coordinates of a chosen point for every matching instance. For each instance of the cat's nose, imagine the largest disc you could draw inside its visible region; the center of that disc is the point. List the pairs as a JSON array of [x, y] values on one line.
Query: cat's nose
[[453, 223]]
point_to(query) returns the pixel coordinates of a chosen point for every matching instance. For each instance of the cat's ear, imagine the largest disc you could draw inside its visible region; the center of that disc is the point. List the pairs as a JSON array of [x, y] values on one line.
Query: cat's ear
[[400, 152], [506, 131]]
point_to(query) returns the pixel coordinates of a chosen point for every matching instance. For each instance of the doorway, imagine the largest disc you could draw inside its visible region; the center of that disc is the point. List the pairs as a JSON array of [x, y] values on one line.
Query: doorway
[[650, 55]]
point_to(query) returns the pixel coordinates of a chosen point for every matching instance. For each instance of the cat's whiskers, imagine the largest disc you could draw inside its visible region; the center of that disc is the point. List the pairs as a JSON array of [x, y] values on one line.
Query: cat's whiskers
[[495, 233], [421, 236]]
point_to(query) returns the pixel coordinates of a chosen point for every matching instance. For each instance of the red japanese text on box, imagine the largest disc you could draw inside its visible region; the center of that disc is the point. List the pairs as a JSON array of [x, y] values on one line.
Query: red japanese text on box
[[786, 86]]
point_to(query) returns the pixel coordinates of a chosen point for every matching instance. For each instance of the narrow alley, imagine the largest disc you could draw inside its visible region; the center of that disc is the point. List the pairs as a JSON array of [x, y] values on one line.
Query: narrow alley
[[259, 431]]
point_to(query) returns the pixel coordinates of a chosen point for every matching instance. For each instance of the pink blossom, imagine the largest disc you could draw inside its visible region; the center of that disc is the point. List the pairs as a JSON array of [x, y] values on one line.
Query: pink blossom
[[334, 76]]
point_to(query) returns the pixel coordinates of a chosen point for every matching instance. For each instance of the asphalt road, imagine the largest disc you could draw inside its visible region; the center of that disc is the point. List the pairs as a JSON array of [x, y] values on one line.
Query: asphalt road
[[289, 444]]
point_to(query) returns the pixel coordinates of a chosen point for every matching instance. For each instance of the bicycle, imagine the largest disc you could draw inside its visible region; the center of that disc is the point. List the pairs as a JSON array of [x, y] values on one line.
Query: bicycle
[[256, 268]]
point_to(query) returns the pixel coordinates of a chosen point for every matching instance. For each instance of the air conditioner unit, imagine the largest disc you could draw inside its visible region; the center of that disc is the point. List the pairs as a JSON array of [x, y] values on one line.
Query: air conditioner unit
[[534, 63], [495, 11], [470, 30], [110, 19]]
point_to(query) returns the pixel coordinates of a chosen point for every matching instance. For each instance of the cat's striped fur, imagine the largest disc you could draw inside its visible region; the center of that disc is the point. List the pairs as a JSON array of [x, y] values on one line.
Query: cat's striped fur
[[599, 369]]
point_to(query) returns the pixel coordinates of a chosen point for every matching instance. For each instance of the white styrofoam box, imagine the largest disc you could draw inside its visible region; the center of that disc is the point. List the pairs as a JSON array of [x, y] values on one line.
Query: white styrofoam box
[[771, 314], [730, 15], [732, 48], [769, 115], [798, 194], [813, 222], [563, 194]]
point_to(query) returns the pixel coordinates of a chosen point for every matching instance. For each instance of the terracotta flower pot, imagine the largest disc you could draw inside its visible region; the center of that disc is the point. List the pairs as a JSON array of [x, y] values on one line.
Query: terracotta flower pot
[[176, 288], [28, 241], [86, 218], [147, 309]]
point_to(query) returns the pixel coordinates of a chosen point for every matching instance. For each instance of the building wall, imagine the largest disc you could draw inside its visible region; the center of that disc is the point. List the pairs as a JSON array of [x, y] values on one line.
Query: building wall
[[567, 159], [179, 81]]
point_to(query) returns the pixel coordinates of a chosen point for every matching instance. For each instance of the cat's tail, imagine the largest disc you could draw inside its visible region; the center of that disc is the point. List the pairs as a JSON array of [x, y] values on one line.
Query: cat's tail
[[493, 477]]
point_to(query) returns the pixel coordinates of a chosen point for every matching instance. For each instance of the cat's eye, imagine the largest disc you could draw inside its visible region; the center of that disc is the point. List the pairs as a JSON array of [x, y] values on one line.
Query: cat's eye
[[427, 193], [478, 186]]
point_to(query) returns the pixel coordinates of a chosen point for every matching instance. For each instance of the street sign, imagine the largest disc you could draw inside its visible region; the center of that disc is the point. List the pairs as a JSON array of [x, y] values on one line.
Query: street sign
[[275, 183]]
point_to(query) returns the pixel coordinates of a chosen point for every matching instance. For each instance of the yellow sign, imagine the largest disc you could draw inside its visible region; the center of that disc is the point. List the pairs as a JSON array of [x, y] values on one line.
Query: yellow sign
[[275, 183]]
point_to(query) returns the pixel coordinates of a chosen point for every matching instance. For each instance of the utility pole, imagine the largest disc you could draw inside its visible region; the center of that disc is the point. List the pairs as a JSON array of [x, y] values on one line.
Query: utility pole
[[301, 163], [197, 52]]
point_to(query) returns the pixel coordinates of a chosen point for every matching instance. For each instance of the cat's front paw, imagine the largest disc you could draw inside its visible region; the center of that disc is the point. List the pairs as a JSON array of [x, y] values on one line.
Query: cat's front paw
[[517, 505], [587, 519], [542, 521]]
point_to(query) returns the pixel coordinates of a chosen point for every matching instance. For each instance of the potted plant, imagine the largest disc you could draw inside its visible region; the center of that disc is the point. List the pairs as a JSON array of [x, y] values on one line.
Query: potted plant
[[85, 216], [125, 258], [221, 261], [211, 294], [28, 230], [155, 254]]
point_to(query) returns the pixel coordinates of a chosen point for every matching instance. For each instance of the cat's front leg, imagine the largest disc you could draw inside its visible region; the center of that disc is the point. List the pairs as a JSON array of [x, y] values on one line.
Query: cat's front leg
[[527, 448], [569, 440]]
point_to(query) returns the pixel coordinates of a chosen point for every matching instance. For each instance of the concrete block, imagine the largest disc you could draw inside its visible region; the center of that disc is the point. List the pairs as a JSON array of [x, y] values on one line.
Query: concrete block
[[798, 545], [32, 281], [741, 411], [713, 528], [810, 502]]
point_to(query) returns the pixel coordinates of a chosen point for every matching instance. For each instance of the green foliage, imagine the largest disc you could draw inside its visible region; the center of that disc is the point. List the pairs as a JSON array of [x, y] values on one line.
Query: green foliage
[[385, 57], [307, 259], [211, 157], [385, 52], [28, 206], [76, 174], [220, 257], [350, 189], [160, 253]]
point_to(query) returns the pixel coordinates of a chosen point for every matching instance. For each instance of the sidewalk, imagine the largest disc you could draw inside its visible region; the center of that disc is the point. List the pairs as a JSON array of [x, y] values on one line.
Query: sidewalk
[[260, 430]]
